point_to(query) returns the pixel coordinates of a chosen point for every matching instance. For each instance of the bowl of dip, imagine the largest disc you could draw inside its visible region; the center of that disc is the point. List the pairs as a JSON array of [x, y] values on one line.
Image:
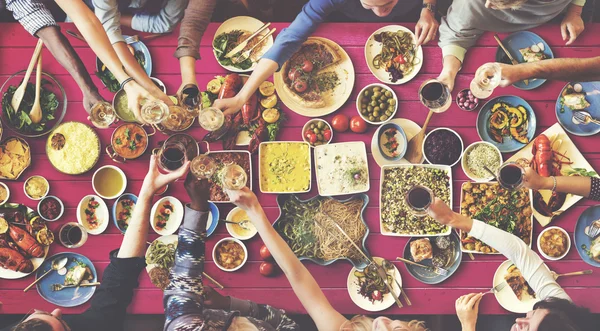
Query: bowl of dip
[[50, 208], [4, 193], [477, 156], [238, 215], [109, 182], [36, 187], [392, 141]]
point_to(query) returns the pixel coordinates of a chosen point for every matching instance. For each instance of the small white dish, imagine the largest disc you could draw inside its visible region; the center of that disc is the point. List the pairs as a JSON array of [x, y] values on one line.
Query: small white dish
[[230, 226], [102, 214], [317, 120], [410, 128], [462, 146], [175, 218], [62, 208], [506, 297], [387, 88], [7, 193], [465, 157], [230, 239], [43, 195], [548, 256], [121, 191]]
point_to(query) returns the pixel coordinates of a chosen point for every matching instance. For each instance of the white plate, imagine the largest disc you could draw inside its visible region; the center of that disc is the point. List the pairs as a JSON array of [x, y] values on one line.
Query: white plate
[[410, 129], [361, 153], [172, 238], [506, 297], [364, 303], [101, 213], [247, 23], [341, 93], [260, 170], [372, 48], [174, 220]]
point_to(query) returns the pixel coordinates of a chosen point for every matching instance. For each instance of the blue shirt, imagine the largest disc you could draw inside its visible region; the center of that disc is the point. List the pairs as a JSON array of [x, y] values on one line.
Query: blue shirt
[[316, 11]]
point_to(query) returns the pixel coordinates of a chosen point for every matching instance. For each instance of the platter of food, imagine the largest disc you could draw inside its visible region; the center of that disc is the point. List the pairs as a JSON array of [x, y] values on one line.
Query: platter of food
[[317, 80], [584, 99], [525, 47], [92, 214], [15, 157], [166, 215], [410, 129], [24, 241], [507, 122], [396, 218], [517, 297], [78, 272], [587, 242], [508, 210], [241, 158], [235, 31], [122, 211], [53, 102], [553, 153], [284, 167], [342, 168], [140, 52], [307, 227], [160, 258], [442, 252], [392, 54], [73, 148], [368, 291]]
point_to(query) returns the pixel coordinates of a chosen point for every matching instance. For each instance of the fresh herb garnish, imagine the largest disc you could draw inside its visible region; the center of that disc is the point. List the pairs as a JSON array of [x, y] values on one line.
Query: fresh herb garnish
[[118, 141], [20, 119], [224, 43]]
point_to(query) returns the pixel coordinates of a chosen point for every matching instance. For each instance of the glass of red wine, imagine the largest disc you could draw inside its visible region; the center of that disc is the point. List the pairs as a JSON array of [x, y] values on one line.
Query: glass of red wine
[[435, 95], [418, 199], [510, 175], [72, 235], [172, 155]]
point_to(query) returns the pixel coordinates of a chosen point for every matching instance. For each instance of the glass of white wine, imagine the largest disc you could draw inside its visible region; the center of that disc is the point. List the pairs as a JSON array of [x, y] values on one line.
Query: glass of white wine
[[203, 166], [211, 118], [154, 111], [487, 78], [102, 115], [233, 177]]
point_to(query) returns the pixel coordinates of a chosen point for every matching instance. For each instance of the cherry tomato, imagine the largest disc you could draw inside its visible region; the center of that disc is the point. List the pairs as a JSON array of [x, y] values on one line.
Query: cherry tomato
[[294, 74], [311, 137], [307, 66], [399, 59], [265, 254], [358, 125], [300, 85], [267, 269], [327, 135], [340, 123]]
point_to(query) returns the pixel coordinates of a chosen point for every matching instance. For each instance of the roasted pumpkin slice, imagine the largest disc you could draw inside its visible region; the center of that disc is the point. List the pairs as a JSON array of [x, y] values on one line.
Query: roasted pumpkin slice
[[499, 119], [519, 136], [516, 117], [524, 112], [497, 106]]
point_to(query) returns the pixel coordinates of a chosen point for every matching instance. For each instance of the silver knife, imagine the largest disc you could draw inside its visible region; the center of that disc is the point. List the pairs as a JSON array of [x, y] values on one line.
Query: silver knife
[[243, 44]]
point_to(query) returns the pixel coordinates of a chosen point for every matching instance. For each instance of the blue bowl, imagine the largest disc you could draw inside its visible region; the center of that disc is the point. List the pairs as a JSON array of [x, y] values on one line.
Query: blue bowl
[[114, 208], [214, 212], [585, 219], [382, 130]]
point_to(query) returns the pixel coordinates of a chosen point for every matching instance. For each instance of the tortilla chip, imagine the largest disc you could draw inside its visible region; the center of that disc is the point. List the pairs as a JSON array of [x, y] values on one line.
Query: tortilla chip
[[15, 147]]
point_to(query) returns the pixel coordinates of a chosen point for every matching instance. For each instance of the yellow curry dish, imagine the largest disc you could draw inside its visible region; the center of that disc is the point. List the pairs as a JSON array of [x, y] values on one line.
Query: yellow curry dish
[[284, 167]]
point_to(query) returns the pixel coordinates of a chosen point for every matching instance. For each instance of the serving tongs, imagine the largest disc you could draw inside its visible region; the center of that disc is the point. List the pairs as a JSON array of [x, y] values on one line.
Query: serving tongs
[[510, 57], [244, 43]]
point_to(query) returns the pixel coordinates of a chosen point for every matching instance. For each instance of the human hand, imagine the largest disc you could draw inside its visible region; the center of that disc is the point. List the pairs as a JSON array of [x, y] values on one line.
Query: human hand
[[160, 95], [572, 25], [229, 106], [532, 180], [214, 299], [244, 198], [189, 95], [135, 95], [447, 79], [198, 190], [510, 73], [155, 180], [90, 100], [426, 28], [439, 211], [467, 308]]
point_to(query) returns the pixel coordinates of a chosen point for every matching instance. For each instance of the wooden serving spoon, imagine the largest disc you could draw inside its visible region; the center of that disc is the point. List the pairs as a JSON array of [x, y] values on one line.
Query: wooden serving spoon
[[414, 151], [20, 92], [36, 110]]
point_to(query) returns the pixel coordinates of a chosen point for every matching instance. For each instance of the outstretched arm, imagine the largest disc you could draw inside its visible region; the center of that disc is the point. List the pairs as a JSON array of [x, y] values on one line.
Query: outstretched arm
[[588, 187], [568, 69]]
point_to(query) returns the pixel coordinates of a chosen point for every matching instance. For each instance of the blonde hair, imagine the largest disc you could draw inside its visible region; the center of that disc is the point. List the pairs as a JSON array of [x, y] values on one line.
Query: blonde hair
[[241, 324], [364, 323]]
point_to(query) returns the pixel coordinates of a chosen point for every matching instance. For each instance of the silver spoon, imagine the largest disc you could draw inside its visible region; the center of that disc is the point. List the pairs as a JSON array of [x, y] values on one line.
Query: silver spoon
[[57, 263], [243, 224]]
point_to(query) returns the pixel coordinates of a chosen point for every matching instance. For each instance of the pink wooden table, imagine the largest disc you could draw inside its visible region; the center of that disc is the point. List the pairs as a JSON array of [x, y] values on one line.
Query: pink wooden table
[[16, 47]]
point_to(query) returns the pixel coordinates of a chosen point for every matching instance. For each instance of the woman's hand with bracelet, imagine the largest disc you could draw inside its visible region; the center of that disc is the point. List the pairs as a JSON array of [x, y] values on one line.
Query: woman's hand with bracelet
[[135, 95]]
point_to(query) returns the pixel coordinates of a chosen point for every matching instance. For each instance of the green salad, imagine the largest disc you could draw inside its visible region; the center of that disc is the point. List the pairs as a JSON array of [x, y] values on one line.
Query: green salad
[[109, 80], [19, 119], [227, 41]]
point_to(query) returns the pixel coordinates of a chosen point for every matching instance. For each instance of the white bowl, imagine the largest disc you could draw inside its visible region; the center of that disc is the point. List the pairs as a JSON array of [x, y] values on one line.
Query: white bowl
[[122, 189], [382, 86], [305, 127], [550, 257], [45, 194], [230, 239], [229, 226], [62, 208], [465, 156], [462, 146], [101, 213], [174, 220], [7, 193]]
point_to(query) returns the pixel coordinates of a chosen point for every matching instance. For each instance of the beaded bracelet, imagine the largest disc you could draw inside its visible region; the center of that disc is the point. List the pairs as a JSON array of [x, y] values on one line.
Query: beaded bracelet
[[554, 186]]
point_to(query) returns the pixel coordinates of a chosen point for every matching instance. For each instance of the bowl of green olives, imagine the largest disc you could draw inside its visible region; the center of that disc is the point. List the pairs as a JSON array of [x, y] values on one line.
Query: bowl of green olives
[[377, 103], [317, 132]]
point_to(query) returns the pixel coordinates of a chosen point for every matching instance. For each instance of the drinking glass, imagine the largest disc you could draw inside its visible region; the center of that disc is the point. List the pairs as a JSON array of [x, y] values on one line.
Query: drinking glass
[[177, 120], [510, 175], [487, 78], [154, 111], [203, 166], [233, 177], [102, 115], [72, 235], [418, 199], [211, 118], [190, 100], [172, 155], [435, 95]]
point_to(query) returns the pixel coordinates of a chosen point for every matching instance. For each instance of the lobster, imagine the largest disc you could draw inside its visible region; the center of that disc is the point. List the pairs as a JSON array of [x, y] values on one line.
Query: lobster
[[231, 137], [250, 109], [13, 260], [261, 133], [26, 242], [547, 163], [231, 86]]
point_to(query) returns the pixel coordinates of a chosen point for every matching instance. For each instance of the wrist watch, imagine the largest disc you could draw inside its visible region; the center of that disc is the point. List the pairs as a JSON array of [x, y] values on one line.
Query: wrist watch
[[429, 6]]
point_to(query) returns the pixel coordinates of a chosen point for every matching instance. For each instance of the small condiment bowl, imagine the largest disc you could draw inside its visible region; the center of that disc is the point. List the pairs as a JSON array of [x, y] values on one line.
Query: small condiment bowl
[[551, 257], [463, 108], [315, 121], [466, 156], [43, 195], [120, 191], [7, 193], [462, 145], [60, 203], [393, 97], [403, 144], [230, 229], [230, 239]]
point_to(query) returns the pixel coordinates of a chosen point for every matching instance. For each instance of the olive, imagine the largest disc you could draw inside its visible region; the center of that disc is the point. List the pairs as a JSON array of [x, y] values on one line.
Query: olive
[[370, 108], [376, 113], [373, 103], [315, 130], [388, 94], [376, 88], [388, 112], [383, 118], [383, 98], [392, 102], [319, 137], [320, 125], [377, 94], [372, 118], [366, 93], [382, 105], [364, 105], [364, 111]]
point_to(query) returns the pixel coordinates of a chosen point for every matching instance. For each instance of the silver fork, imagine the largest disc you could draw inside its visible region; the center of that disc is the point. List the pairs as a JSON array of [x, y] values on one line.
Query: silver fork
[[58, 287], [593, 230], [584, 118], [245, 55], [497, 288]]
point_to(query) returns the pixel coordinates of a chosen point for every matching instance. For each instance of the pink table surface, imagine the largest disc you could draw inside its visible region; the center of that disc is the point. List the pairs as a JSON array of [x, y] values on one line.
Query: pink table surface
[[16, 47]]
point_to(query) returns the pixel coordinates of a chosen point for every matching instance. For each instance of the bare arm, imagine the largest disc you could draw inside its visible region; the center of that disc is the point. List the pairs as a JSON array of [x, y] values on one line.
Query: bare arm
[[577, 185], [568, 69]]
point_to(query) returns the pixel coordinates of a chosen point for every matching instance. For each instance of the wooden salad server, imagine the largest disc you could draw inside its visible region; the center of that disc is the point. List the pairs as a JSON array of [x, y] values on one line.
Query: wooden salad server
[[20, 92]]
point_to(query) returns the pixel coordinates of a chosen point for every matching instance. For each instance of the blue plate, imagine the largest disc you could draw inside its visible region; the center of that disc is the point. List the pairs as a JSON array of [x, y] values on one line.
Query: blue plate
[[114, 208], [214, 212], [509, 144], [137, 46], [565, 117], [429, 277], [586, 218], [514, 43], [404, 141], [69, 297]]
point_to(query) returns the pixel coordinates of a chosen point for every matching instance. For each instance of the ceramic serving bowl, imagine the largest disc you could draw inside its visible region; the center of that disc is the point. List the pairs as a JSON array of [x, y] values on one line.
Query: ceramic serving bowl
[[462, 146], [359, 99], [121, 190], [552, 258], [306, 128], [60, 203], [400, 137], [214, 254], [465, 158]]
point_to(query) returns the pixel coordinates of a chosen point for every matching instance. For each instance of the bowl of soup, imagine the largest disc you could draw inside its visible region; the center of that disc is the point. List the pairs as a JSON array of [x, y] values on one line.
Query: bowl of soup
[[230, 254], [129, 141], [109, 182], [238, 215]]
